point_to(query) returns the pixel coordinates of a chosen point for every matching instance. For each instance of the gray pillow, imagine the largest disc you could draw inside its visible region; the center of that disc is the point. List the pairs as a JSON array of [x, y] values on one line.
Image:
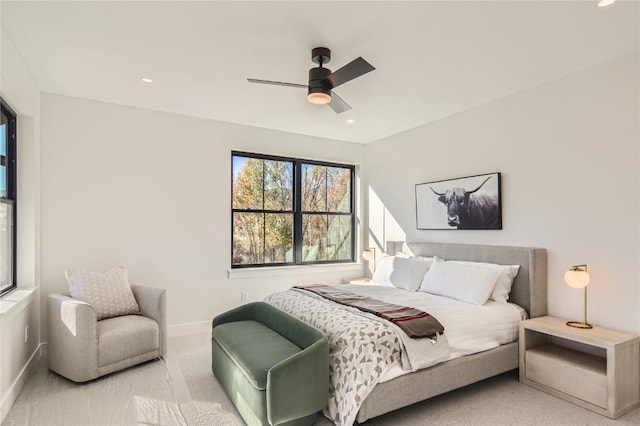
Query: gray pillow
[[109, 293]]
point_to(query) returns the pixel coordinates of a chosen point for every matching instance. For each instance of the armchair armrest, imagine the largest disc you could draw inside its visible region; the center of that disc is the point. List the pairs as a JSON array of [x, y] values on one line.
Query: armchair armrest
[[153, 304], [72, 337], [289, 394]]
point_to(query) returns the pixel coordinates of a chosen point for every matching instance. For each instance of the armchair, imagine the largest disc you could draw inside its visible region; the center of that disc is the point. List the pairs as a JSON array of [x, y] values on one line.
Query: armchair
[[81, 348]]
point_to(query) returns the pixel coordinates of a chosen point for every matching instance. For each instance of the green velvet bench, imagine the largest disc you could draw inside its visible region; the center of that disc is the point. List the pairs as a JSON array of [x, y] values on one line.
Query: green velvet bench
[[273, 366]]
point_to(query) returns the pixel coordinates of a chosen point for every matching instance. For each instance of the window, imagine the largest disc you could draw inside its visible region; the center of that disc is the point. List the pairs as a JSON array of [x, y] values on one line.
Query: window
[[7, 198], [288, 211]]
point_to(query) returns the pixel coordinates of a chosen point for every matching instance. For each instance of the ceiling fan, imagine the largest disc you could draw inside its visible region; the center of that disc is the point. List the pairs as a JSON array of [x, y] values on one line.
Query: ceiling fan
[[322, 81]]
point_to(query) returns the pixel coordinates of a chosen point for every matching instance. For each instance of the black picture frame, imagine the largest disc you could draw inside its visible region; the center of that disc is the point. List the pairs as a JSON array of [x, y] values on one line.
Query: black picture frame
[[471, 202]]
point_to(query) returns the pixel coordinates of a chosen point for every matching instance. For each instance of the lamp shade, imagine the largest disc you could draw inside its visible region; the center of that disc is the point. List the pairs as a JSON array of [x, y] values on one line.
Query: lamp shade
[[576, 278], [368, 254], [605, 3]]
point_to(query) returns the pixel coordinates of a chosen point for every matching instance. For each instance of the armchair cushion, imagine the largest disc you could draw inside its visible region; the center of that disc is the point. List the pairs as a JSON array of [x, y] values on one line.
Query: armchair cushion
[[109, 293], [125, 337]]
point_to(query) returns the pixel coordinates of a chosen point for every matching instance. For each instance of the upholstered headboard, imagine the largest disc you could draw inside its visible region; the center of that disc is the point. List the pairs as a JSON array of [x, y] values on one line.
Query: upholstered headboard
[[530, 285]]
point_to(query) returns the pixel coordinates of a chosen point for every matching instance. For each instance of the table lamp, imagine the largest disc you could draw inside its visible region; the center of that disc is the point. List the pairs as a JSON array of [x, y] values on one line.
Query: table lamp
[[369, 255], [577, 277]]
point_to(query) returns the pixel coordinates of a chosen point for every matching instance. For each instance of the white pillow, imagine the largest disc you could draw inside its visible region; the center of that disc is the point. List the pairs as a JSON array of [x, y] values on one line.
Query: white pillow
[[109, 293], [503, 283], [411, 256], [404, 255], [402, 272], [461, 281]]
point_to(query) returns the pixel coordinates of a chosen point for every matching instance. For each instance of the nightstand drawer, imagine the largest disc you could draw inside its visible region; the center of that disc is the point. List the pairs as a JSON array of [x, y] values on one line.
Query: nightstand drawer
[[581, 375]]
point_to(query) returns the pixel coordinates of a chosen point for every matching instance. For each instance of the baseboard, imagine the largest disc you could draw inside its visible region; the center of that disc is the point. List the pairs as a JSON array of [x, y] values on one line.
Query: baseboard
[[9, 397], [189, 328]]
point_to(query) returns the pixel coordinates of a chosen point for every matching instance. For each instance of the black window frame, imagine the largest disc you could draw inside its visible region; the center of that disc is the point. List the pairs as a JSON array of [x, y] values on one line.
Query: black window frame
[[297, 210], [12, 186]]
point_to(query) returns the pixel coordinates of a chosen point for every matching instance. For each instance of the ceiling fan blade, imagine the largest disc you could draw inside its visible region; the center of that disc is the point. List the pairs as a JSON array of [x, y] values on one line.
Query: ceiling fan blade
[[338, 104], [352, 70], [277, 83]]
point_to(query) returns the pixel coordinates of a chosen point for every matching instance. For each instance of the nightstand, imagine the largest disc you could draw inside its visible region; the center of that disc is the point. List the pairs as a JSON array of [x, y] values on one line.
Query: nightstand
[[598, 369], [361, 280]]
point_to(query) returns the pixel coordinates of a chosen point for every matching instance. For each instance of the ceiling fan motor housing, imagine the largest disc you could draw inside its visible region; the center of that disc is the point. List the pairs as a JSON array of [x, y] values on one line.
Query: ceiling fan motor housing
[[318, 81]]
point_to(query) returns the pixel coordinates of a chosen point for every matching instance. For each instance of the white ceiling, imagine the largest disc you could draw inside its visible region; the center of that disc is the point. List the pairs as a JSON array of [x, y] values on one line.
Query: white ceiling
[[433, 59]]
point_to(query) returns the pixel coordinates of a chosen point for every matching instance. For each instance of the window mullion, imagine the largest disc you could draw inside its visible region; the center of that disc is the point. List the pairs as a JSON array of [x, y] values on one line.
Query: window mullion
[[297, 215], [264, 216]]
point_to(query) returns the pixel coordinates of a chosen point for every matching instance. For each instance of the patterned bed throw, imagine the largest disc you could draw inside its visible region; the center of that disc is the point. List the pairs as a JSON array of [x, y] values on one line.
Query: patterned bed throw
[[362, 348], [416, 323]]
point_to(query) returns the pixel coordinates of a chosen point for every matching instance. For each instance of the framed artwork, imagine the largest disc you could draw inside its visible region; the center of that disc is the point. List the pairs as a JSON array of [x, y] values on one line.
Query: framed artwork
[[472, 202]]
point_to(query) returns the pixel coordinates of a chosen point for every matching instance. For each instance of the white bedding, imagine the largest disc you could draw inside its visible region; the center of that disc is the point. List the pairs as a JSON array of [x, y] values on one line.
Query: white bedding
[[469, 328]]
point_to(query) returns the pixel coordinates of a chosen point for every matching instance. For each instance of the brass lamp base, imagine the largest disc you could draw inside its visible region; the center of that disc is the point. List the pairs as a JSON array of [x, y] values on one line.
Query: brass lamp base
[[578, 324]]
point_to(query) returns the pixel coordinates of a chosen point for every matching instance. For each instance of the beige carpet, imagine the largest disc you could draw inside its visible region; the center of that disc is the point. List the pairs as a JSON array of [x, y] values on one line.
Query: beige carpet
[[181, 390], [162, 413]]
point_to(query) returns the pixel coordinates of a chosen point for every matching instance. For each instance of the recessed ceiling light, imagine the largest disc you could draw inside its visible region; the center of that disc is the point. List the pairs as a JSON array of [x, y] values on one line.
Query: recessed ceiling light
[[350, 121], [146, 80], [605, 3]]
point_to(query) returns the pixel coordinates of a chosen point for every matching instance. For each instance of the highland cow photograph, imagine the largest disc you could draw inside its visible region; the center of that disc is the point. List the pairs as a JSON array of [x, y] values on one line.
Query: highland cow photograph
[[472, 202]]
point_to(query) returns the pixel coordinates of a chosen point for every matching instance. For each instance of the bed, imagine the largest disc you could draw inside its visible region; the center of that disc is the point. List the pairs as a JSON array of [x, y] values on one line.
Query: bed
[[528, 292]]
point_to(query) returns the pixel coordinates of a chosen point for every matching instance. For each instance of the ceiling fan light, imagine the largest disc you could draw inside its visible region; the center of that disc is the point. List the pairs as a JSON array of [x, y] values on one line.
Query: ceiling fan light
[[605, 3], [319, 98]]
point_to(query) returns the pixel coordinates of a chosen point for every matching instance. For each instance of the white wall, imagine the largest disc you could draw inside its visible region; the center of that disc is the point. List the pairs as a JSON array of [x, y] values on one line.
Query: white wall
[[152, 190], [568, 151], [21, 92]]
